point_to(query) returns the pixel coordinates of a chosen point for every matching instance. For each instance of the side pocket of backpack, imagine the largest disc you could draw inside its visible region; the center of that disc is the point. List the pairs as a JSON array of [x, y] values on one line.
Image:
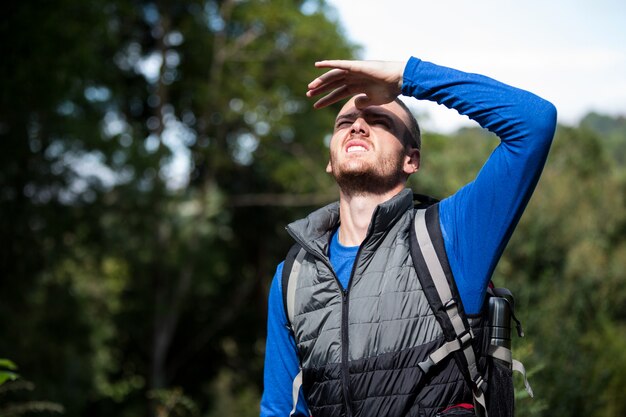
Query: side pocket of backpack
[[501, 394]]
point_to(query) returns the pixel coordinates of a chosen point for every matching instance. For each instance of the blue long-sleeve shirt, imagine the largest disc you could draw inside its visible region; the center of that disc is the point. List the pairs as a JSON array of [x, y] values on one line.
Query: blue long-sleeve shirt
[[476, 221]]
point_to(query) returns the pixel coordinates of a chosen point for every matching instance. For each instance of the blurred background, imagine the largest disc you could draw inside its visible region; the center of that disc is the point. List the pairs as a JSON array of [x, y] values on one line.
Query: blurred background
[[151, 153]]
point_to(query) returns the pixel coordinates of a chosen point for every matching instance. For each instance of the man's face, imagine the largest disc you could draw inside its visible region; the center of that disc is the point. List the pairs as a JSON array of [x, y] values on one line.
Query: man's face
[[367, 151]]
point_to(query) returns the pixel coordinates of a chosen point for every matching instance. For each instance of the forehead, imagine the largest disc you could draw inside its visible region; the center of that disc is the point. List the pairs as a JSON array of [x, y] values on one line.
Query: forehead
[[392, 110]]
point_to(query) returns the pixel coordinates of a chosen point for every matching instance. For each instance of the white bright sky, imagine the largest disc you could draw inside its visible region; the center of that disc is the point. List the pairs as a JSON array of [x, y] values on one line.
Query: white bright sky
[[571, 52]]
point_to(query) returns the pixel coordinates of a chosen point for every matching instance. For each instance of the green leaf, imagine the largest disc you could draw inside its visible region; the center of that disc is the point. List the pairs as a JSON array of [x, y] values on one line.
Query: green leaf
[[8, 364], [7, 376]]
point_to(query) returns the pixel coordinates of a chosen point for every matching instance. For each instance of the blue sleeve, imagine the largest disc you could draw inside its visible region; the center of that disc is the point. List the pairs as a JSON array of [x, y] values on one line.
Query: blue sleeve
[[281, 359], [478, 220]]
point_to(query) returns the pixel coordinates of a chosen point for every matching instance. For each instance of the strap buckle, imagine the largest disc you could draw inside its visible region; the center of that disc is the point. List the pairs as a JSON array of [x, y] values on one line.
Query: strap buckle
[[479, 383], [426, 365], [465, 338], [450, 304]]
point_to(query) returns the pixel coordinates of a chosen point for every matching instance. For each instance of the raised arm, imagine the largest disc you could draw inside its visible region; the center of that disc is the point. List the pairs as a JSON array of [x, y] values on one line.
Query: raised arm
[[478, 220]]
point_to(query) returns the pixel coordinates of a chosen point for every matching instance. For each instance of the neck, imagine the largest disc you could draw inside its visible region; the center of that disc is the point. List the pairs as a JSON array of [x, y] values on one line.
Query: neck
[[355, 214]]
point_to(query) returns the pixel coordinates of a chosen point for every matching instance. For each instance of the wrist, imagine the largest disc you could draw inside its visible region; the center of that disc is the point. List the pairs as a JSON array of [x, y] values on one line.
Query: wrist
[[400, 65], [399, 86]]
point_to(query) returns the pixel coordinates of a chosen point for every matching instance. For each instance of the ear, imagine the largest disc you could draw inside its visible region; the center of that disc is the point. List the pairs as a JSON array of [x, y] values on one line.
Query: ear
[[329, 168], [412, 161]]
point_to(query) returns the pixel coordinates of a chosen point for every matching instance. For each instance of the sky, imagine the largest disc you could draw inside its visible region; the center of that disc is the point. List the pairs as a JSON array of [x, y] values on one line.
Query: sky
[[570, 52]]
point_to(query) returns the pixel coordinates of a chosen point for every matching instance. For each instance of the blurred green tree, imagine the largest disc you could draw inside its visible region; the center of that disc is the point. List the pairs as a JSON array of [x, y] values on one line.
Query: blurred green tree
[[142, 142]]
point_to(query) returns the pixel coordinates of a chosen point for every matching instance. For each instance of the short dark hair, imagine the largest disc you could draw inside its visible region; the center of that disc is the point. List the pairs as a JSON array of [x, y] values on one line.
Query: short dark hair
[[414, 138]]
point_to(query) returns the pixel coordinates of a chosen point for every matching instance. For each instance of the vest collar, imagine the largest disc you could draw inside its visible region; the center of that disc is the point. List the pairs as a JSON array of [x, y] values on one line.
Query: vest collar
[[314, 231]]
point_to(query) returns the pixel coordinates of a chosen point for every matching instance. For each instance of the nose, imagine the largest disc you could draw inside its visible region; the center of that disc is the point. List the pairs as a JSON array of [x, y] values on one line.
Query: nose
[[360, 126]]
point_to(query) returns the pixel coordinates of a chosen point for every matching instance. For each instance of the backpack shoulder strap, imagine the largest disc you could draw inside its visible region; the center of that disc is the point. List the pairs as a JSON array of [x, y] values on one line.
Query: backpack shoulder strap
[[433, 270], [289, 280], [431, 263]]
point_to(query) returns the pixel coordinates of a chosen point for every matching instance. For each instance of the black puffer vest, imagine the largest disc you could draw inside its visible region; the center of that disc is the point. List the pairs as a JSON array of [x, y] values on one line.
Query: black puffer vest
[[359, 348]]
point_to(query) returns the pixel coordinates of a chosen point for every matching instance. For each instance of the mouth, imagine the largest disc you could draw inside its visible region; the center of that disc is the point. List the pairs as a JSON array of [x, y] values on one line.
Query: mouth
[[356, 146]]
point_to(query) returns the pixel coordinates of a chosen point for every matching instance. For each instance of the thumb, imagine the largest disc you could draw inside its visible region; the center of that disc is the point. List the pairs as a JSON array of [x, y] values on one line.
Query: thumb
[[362, 100]]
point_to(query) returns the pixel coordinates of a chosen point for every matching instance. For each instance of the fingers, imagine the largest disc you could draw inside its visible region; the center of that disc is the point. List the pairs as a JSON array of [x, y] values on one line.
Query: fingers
[[327, 77], [334, 81], [341, 70], [338, 63], [333, 97], [326, 82]]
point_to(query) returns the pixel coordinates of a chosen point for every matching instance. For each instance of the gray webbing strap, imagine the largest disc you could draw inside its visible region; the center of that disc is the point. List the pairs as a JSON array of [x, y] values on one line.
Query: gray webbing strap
[[443, 290], [292, 284], [443, 352], [519, 367], [504, 354], [430, 256], [295, 391], [500, 352], [437, 274]]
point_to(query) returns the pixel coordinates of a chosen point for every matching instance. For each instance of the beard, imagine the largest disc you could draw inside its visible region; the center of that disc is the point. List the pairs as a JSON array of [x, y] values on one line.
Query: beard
[[357, 178]]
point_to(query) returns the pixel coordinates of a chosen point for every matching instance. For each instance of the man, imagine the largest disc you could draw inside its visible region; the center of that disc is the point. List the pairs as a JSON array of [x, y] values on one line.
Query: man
[[361, 324]]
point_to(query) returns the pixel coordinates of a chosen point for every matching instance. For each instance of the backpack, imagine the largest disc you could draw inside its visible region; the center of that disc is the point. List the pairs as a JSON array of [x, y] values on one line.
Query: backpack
[[490, 373]]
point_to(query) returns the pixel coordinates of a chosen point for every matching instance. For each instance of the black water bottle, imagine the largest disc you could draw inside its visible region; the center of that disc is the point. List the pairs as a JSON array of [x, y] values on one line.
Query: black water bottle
[[500, 322], [501, 398]]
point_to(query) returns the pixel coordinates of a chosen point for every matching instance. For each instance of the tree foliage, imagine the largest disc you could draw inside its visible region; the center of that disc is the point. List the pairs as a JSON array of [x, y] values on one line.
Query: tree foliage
[[141, 143]]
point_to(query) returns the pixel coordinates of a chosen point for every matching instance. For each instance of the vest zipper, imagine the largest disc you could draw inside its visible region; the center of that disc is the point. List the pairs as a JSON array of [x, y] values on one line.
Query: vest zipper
[[345, 337], [345, 307]]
